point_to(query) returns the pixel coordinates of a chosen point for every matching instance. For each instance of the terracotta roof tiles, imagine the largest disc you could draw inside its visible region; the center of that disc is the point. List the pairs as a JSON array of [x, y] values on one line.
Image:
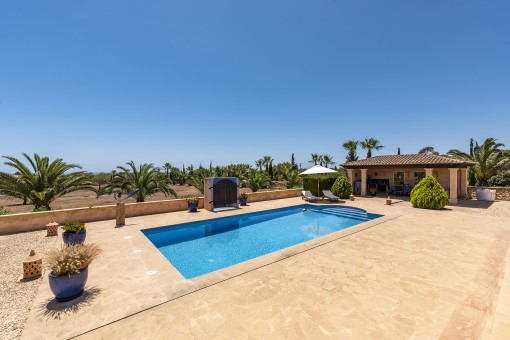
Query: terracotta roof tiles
[[412, 160]]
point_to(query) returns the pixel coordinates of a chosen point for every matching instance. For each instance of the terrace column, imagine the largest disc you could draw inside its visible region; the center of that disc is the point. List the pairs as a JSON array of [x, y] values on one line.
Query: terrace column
[[364, 182], [463, 183], [429, 172], [350, 174], [453, 185]]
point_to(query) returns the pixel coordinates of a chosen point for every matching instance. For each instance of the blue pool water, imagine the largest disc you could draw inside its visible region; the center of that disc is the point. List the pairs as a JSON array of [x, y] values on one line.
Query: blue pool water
[[202, 247]]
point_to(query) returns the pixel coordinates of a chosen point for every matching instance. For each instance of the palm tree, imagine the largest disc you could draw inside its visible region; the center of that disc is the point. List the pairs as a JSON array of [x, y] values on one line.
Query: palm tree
[[256, 180], [351, 145], [316, 158], [259, 163], [490, 160], [145, 177], [267, 160], [42, 181], [369, 144], [428, 150], [291, 176], [328, 159], [197, 178], [167, 168]]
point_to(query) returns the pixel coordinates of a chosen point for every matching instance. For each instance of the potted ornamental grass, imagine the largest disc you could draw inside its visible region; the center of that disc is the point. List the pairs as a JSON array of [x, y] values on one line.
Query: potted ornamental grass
[[243, 198], [74, 232], [68, 269], [192, 203]]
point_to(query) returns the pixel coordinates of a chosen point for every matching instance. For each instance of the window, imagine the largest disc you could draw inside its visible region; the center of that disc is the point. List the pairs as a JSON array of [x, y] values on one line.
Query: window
[[398, 178], [418, 176]]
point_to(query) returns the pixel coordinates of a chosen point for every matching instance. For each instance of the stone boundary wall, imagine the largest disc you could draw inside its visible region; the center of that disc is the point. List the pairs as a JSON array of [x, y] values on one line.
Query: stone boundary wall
[[273, 195], [16, 223], [502, 193]]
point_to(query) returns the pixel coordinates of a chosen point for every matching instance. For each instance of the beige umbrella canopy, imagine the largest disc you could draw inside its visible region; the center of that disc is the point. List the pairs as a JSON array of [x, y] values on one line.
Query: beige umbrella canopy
[[318, 170]]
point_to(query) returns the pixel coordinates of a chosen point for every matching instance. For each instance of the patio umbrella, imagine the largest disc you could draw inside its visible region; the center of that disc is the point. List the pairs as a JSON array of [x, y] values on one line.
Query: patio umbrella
[[318, 170]]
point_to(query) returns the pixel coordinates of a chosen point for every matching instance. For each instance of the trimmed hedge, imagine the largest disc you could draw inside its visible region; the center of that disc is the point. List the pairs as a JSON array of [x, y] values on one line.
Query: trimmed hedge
[[342, 187], [429, 194], [327, 181]]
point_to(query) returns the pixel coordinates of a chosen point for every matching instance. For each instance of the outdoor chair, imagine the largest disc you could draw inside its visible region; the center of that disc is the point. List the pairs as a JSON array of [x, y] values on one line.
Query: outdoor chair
[[329, 195], [407, 190], [307, 196]]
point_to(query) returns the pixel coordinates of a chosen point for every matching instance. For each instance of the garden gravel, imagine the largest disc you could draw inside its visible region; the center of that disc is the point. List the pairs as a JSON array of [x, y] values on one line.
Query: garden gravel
[[16, 297], [495, 209]]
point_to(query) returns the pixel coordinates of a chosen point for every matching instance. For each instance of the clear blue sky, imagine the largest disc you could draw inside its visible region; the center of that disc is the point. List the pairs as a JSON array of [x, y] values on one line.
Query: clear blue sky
[[101, 83]]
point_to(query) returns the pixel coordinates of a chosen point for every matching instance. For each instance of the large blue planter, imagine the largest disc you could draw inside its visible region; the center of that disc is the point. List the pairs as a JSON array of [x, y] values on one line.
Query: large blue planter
[[66, 288], [243, 200], [192, 207], [74, 238]]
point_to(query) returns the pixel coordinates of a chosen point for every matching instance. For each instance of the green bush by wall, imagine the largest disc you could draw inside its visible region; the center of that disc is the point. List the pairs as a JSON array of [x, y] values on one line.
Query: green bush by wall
[[327, 181], [500, 180], [429, 194], [342, 187]]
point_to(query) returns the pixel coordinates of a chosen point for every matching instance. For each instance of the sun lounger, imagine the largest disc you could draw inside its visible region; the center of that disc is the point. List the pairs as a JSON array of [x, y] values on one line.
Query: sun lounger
[[307, 195], [329, 195]]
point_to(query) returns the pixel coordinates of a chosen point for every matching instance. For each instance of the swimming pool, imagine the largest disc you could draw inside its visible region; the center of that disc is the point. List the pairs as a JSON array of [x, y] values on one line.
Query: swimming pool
[[202, 247]]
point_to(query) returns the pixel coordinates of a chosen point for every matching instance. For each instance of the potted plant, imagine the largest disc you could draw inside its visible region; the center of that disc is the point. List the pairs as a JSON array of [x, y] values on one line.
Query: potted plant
[[74, 232], [373, 192], [192, 203], [68, 269], [243, 198]]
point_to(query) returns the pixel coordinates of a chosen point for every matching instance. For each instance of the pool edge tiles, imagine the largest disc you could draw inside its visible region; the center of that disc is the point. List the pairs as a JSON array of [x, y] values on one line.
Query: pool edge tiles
[[200, 248]]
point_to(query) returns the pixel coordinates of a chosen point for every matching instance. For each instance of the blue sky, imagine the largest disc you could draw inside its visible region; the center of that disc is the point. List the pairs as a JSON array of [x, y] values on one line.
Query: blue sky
[[101, 83]]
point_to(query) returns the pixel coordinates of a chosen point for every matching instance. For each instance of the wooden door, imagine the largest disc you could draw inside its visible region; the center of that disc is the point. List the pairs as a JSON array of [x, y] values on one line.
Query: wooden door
[[230, 192], [219, 197]]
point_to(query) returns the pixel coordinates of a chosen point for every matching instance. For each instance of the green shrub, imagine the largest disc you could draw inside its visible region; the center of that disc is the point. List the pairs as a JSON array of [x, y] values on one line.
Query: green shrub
[[3, 211], [327, 181], [429, 194], [500, 180], [342, 187], [74, 227], [39, 209]]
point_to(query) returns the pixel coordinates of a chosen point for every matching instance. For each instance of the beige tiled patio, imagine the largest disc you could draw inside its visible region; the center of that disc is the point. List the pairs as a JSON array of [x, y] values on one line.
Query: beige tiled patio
[[413, 273]]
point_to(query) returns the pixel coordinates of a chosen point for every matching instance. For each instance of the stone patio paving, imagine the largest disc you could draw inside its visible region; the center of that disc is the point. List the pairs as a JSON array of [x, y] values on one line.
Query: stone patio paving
[[413, 274]]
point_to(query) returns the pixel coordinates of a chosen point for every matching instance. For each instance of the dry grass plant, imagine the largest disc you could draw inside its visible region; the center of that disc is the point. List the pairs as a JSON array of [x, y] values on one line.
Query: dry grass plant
[[71, 259]]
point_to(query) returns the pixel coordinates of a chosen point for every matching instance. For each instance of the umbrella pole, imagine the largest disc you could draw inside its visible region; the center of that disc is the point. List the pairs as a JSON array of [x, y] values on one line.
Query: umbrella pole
[[318, 186]]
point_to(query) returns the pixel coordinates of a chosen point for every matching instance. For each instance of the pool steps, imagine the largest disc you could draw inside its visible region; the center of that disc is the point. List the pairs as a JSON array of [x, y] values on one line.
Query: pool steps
[[345, 212]]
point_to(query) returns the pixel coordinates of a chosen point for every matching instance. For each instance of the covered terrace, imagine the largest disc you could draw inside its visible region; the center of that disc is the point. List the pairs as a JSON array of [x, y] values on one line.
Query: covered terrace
[[407, 170]]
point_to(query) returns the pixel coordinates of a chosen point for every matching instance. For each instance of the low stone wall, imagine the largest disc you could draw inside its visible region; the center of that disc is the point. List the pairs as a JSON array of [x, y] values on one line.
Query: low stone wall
[[17, 223], [502, 193], [273, 195]]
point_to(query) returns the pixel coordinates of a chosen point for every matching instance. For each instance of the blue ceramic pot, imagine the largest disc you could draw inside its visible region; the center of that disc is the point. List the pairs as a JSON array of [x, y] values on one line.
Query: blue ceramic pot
[[74, 238], [192, 207], [66, 288], [243, 200]]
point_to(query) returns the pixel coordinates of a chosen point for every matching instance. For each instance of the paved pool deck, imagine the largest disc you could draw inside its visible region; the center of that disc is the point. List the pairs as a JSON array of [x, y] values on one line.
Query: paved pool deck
[[411, 274]]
